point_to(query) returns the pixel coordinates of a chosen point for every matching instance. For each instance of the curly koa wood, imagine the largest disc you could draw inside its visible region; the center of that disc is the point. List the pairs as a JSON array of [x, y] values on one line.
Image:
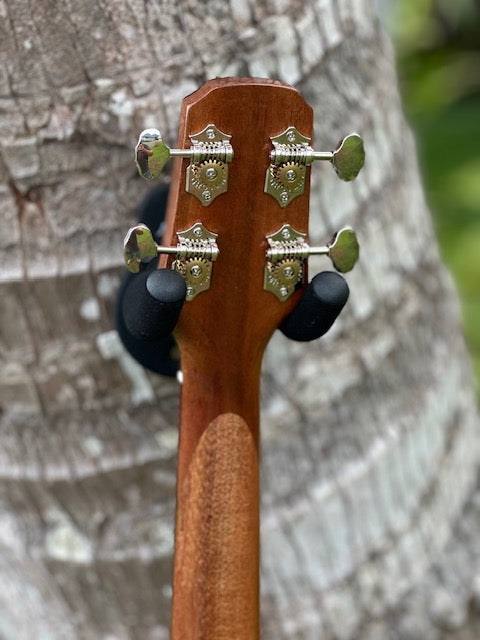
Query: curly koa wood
[[216, 568]]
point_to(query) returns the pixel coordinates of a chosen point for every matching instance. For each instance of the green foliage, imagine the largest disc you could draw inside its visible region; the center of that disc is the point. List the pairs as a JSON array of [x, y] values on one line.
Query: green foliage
[[438, 48]]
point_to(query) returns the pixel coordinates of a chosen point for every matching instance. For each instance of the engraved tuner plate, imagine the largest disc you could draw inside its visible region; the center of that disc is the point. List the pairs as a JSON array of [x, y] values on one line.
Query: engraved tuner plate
[[208, 178], [197, 249], [285, 179], [284, 271]]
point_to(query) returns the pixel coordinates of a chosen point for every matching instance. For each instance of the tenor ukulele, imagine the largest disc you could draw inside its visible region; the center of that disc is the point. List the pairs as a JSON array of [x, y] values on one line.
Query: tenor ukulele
[[231, 270]]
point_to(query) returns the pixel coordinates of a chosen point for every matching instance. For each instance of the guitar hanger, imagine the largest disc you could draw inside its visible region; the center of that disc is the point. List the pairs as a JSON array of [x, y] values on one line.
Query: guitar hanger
[[160, 355], [230, 269]]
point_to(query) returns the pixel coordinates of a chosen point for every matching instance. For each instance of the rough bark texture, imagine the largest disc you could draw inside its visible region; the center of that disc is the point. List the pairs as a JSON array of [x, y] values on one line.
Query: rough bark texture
[[370, 449]]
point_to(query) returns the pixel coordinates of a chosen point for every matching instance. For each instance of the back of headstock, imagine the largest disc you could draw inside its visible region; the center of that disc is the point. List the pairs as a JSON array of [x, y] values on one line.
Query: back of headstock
[[233, 320]]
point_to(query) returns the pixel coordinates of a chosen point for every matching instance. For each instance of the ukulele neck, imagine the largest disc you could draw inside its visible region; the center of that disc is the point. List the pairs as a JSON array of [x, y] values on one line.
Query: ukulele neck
[[216, 575]]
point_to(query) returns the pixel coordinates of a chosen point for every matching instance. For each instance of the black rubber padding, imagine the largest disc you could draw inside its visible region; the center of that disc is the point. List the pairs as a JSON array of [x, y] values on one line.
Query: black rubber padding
[[152, 303], [322, 301], [159, 356]]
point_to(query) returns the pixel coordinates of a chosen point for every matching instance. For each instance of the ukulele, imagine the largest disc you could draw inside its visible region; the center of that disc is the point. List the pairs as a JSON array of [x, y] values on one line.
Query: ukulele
[[231, 270]]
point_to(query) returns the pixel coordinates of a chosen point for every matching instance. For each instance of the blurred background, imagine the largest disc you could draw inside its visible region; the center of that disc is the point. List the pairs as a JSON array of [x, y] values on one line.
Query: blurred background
[[437, 45]]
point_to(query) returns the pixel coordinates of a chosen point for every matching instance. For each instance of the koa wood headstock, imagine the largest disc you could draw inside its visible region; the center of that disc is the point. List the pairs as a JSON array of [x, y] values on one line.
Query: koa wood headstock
[[235, 247]]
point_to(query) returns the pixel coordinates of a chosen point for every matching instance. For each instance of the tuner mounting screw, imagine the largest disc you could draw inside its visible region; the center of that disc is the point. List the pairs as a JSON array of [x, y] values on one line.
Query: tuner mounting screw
[[196, 271], [291, 136], [211, 173]]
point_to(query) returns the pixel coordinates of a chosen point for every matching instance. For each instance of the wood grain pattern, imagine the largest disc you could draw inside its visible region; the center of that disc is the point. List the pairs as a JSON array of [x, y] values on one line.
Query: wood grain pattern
[[217, 537]]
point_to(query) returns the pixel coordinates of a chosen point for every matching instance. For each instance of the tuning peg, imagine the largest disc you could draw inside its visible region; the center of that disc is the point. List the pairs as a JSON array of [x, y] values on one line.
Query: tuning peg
[[151, 154], [195, 252], [209, 154], [291, 154], [288, 250], [343, 249], [348, 158], [139, 247], [318, 308]]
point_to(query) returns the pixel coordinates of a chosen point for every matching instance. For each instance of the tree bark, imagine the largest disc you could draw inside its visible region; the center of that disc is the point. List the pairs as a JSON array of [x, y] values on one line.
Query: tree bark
[[370, 447]]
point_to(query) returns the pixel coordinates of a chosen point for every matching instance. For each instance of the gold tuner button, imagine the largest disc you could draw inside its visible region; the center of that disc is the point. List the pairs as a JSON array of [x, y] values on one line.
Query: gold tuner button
[[344, 250], [151, 154], [139, 247], [349, 157]]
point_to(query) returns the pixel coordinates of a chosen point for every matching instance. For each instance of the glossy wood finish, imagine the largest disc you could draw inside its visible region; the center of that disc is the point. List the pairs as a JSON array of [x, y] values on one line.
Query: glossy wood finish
[[222, 335], [216, 570]]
